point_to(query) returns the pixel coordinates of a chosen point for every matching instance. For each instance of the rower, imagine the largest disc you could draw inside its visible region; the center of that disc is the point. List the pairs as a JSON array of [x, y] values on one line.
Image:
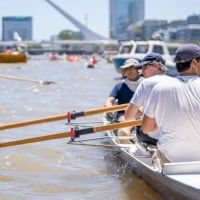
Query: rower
[[123, 91], [174, 108], [153, 69]]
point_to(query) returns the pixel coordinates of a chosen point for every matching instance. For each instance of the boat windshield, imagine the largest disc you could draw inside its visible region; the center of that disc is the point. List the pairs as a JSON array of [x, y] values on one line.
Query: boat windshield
[[172, 50], [142, 48], [125, 49]]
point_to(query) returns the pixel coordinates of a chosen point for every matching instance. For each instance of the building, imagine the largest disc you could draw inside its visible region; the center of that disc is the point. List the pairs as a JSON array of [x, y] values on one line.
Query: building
[[189, 33], [136, 11], [151, 26], [193, 19], [20, 25], [185, 30], [123, 13]]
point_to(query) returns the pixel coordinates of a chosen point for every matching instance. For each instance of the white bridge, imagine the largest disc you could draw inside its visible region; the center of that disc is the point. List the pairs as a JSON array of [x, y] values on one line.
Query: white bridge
[[87, 33]]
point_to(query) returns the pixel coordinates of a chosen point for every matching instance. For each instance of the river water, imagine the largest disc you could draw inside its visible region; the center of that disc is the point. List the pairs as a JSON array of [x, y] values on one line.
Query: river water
[[54, 169]]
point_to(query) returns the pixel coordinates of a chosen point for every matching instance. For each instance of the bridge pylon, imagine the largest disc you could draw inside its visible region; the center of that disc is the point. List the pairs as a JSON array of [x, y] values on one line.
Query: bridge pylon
[[87, 33]]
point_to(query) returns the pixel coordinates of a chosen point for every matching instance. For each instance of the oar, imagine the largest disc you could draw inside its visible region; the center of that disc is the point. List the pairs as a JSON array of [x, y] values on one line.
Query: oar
[[74, 134], [25, 79], [68, 116]]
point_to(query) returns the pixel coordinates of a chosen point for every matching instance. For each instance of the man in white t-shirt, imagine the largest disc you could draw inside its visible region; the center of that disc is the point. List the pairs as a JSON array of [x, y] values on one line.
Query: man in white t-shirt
[[153, 69], [174, 108]]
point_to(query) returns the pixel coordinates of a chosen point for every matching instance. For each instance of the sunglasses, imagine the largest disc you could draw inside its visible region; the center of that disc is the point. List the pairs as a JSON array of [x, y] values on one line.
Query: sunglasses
[[148, 65]]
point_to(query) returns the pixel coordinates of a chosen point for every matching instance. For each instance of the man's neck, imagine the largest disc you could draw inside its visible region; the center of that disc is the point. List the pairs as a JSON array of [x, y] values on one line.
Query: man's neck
[[186, 73], [135, 79]]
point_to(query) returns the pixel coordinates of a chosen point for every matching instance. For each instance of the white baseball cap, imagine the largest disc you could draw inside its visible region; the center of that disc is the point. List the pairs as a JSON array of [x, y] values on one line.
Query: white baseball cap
[[129, 62]]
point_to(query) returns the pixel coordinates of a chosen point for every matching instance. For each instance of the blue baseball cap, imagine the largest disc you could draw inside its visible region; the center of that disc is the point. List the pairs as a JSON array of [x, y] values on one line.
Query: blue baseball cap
[[150, 58], [186, 53]]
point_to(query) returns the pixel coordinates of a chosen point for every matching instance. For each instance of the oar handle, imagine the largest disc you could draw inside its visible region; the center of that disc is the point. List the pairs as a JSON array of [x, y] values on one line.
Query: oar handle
[[118, 125], [74, 115]]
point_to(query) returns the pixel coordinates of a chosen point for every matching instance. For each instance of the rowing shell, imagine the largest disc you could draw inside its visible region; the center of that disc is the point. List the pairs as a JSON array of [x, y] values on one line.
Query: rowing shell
[[174, 181]]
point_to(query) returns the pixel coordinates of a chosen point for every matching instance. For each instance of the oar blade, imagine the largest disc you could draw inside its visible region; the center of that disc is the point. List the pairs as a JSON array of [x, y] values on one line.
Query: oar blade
[[47, 82]]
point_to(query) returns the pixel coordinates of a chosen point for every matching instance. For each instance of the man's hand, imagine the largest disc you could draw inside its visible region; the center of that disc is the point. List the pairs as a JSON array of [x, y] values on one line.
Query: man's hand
[[109, 116]]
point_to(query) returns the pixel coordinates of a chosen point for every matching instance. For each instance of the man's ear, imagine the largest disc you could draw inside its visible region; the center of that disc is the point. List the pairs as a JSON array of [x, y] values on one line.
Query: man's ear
[[194, 66], [194, 61]]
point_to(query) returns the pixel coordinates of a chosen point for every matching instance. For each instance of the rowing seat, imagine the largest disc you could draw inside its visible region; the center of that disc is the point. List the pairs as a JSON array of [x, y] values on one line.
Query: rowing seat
[[181, 168]]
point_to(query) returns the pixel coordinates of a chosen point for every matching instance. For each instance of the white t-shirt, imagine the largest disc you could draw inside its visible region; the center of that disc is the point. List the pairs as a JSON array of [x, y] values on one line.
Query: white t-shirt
[[176, 109], [143, 92]]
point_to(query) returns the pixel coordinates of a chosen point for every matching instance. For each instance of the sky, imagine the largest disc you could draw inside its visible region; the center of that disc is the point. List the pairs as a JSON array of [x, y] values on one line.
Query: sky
[[93, 13]]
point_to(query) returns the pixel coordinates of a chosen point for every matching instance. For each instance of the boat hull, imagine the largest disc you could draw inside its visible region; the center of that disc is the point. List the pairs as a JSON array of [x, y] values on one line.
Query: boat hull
[[12, 58], [118, 62], [140, 162], [90, 66], [167, 187]]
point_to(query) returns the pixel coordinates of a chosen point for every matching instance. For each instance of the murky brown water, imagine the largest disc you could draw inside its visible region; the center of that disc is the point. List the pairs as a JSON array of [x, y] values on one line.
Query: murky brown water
[[53, 169]]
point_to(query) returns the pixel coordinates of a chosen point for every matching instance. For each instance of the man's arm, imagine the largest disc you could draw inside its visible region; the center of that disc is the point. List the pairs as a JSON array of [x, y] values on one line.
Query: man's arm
[[148, 124], [110, 101], [131, 112]]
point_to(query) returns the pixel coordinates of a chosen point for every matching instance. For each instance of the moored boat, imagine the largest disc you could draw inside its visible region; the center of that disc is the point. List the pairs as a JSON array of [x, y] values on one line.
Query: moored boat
[[13, 57], [54, 57], [73, 58], [139, 49], [174, 181]]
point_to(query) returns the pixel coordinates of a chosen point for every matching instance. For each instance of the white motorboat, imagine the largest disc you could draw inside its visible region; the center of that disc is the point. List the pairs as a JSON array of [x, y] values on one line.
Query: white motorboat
[[139, 49]]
